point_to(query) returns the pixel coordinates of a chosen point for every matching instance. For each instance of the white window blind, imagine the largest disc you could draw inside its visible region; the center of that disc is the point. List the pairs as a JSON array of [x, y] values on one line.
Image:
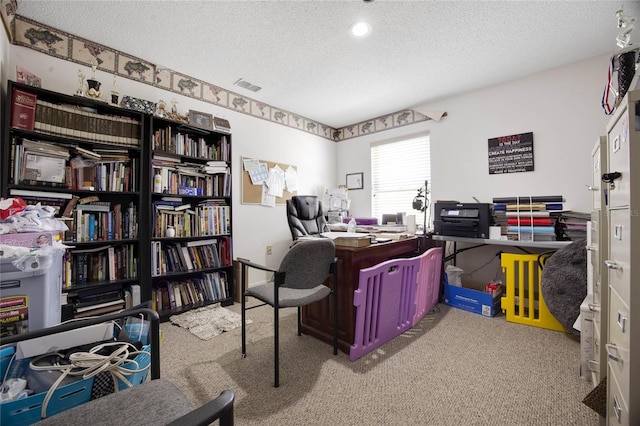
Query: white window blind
[[398, 170]]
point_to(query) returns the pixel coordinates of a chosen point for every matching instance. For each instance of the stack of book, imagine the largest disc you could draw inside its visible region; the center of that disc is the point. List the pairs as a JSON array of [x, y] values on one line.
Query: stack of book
[[100, 264], [95, 220], [528, 218], [99, 304], [208, 287], [190, 256], [172, 142], [573, 225]]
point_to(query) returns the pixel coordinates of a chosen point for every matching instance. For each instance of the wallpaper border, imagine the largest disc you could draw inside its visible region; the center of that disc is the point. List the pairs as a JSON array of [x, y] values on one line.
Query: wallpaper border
[[62, 45]]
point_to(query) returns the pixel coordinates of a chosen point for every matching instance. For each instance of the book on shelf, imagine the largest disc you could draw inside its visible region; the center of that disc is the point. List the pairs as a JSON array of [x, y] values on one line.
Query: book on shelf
[[89, 199], [72, 121], [93, 207], [136, 297], [112, 265], [197, 243], [99, 305], [43, 194], [182, 207], [101, 310], [23, 110], [71, 204], [94, 299], [86, 153], [175, 199]]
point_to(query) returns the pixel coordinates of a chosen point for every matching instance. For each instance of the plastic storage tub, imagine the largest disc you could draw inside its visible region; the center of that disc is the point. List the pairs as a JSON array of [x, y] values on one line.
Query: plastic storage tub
[[30, 299], [28, 410]]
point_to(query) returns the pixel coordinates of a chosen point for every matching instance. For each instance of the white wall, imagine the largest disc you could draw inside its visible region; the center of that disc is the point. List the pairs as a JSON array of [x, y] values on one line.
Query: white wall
[[562, 109], [4, 55], [254, 226]]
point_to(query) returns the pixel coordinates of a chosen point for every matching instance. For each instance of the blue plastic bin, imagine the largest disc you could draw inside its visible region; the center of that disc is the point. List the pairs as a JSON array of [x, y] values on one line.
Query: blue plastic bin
[[28, 410]]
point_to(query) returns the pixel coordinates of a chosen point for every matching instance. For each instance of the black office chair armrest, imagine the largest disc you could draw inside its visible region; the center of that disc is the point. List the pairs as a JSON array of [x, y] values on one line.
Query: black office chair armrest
[[219, 408]]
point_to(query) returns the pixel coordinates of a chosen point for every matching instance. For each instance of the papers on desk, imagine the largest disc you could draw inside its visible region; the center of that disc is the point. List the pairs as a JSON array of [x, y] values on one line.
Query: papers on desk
[[390, 228], [348, 239], [337, 226]]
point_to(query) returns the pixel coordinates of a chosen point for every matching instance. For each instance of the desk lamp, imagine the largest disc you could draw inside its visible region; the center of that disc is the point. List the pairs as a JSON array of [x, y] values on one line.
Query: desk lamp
[[421, 202]]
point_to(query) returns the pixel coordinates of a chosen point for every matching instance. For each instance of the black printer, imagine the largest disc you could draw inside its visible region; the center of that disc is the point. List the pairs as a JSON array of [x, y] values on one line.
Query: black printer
[[469, 220]]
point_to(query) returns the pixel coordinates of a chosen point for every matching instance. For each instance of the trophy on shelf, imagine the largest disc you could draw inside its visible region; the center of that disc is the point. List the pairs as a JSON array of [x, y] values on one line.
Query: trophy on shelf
[[93, 90], [80, 91], [114, 92]]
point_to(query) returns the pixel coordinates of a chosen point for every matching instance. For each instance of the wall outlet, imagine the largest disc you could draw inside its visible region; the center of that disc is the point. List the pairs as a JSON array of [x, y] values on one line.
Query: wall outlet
[[269, 250]]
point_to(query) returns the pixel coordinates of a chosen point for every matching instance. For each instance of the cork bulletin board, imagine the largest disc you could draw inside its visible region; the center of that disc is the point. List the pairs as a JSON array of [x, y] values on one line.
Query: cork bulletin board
[[252, 194]]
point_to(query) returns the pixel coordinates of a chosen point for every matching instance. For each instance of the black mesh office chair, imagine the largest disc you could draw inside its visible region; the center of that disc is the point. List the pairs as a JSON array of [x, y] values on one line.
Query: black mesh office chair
[[298, 281], [305, 216]]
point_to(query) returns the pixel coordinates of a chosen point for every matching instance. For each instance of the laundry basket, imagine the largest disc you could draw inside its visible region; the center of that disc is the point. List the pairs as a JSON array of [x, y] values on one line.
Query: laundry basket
[[523, 302]]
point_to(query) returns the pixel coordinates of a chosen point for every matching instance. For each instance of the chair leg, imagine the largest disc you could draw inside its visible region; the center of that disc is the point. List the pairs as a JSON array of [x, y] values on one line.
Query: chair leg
[[243, 306], [299, 321], [335, 318], [276, 345]]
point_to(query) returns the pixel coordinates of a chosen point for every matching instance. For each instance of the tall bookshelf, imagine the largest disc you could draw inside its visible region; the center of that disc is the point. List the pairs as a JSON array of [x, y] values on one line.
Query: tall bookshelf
[[190, 197], [96, 164], [84, 158]]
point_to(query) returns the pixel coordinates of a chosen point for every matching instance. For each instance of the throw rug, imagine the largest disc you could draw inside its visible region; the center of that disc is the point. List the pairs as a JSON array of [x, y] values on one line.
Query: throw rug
[[208, 321]]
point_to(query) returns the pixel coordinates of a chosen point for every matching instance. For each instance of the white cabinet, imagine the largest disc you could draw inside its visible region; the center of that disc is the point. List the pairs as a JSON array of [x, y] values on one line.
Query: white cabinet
[[622, 346]]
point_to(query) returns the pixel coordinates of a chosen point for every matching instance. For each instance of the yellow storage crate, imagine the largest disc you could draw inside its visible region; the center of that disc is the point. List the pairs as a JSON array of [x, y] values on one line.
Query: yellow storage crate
[[523, 302]]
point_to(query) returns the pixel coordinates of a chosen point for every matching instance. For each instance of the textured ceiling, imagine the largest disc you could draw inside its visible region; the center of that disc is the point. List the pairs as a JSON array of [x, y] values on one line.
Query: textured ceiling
[[303, 57]]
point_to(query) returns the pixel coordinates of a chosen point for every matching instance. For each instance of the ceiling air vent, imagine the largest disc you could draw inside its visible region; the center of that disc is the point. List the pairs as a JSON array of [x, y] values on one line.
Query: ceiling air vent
[[246, 85]]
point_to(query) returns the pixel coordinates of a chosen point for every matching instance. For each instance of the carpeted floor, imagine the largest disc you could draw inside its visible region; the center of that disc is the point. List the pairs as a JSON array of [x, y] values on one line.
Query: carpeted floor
[[453, 368]]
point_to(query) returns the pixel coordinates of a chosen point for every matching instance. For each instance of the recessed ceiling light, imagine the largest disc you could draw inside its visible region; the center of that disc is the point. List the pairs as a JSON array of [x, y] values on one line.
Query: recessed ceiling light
[[361, 29]]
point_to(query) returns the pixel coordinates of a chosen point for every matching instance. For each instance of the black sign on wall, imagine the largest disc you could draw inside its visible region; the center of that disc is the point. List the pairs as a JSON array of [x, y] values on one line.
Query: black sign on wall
[[511, 154]]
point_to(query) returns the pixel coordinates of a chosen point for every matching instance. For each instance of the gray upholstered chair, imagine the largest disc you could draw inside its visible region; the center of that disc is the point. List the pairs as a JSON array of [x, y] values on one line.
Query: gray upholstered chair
[[298, 281], [305, 216], [156, 402]]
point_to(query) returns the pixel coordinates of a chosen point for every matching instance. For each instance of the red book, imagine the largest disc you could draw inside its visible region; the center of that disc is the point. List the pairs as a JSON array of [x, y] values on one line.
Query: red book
[[542, 221], [23, 110]]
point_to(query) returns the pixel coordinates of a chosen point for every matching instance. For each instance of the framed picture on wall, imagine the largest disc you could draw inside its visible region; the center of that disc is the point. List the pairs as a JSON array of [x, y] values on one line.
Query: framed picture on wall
[[355, 181]]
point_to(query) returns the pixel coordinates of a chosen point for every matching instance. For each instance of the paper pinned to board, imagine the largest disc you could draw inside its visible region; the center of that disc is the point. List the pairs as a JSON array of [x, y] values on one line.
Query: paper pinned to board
[[257, 171], [275, 181], [291, 179], [266, 199]]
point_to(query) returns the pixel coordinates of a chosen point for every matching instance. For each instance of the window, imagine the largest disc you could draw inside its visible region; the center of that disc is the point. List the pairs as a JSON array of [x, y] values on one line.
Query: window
[[398, 170]]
